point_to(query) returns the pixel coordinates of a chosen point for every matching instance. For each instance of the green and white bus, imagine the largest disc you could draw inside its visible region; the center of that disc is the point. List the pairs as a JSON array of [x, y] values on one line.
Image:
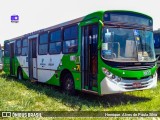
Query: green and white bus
[[104, 52]]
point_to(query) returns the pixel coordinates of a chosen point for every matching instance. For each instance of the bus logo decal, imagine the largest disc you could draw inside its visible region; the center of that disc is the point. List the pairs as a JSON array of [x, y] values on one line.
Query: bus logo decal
[[78, 67], [51, 64], [14, 18], [42, 62]]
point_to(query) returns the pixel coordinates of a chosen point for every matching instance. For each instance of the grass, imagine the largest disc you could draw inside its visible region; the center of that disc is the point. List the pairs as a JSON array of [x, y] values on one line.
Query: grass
[[23, 95]]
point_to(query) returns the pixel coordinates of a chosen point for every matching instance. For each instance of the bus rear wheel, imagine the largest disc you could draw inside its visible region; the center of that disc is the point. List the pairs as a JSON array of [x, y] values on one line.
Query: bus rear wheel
[[68, 84], [19, 74]]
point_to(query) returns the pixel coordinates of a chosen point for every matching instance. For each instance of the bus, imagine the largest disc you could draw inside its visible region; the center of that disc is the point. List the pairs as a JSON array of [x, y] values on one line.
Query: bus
[[157, 45], [104, 52]]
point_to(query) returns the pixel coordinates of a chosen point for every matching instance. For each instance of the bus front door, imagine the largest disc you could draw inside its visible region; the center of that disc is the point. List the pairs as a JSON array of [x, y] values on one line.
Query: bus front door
[[12, 60], [89, 55], [33, 58]]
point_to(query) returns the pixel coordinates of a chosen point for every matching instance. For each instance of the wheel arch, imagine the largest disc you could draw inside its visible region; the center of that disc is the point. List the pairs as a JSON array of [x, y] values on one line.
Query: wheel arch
[[63, 73], [19, 68]]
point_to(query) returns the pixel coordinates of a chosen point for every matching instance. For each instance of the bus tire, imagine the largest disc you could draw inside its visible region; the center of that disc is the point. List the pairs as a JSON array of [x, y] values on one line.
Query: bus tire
[[19, 74], [68, 84]]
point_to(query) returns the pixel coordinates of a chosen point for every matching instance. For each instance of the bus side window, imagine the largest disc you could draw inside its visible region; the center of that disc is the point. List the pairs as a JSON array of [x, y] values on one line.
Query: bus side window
[[6, 50], [157, 41], [24, 47], [43, 44], [18, 47], [55, 42], [70, 43]]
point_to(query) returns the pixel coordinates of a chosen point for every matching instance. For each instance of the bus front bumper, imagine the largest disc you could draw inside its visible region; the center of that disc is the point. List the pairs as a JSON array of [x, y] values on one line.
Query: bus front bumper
[[109, 86]]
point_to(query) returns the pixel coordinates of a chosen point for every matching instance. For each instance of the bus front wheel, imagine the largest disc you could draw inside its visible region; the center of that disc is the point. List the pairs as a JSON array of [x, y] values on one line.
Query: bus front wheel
[[68, 84]]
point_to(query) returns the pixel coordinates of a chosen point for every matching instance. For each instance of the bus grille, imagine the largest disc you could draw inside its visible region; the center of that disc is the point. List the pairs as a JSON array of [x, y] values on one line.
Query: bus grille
[[134, 78], [135, 68], [130, 86]]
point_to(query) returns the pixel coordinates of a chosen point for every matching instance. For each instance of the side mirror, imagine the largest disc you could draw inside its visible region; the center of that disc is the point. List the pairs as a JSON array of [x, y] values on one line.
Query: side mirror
[[157, 58]]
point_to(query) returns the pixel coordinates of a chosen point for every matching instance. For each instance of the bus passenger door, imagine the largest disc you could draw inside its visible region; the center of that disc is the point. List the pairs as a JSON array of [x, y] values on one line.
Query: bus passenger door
[[89, 55], [12, 60], [33, 58]]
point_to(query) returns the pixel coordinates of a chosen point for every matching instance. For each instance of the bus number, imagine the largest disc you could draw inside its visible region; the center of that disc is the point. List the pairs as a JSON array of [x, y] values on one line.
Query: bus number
[[147, 72]]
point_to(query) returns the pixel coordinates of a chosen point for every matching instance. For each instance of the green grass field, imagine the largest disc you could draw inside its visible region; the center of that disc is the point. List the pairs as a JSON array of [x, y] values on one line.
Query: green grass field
[[23, 95]]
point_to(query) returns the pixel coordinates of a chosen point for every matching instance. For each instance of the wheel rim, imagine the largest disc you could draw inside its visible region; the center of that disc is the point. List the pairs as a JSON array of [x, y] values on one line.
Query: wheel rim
[[68, 84]]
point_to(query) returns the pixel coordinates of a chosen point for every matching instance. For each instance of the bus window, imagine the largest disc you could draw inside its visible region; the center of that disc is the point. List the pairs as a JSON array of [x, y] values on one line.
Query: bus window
[[70, 46], [25, 47], [70, 43], [55, 36], [43, 44], [55, 48], [55, 42], [6, 50], [157, 40], [18, 47]]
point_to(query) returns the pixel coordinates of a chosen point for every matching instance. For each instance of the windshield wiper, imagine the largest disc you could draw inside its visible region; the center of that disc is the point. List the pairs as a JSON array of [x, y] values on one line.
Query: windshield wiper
[[142, 45], [139, 44]]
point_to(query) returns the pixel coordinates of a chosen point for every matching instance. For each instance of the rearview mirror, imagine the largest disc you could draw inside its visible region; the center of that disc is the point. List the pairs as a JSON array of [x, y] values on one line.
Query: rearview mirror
[[157, 58]]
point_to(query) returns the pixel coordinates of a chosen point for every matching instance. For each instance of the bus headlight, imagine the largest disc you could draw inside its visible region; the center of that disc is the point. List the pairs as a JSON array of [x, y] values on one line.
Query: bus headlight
[[111, 76], [118, 79], [106, 72]]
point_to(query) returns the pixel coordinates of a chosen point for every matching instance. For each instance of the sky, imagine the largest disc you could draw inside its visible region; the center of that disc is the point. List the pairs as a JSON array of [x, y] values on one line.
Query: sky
[[39, 14]]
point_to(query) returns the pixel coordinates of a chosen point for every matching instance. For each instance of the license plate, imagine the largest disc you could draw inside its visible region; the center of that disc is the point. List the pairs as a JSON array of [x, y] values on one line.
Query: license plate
[[137, 84]]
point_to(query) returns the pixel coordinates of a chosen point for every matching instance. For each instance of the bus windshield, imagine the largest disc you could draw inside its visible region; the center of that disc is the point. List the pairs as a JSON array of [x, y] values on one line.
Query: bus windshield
[[122, 45]]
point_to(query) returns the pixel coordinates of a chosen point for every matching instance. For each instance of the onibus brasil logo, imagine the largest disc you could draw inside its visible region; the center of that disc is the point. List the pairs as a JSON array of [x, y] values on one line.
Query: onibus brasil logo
[[14, 18]]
